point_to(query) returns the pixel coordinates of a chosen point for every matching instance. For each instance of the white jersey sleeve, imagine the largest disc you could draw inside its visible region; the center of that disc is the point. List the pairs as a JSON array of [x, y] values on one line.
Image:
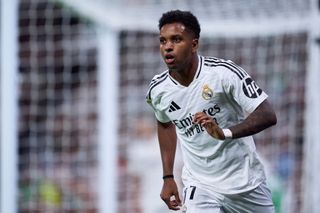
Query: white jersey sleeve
[[154, 97], [243, 89]]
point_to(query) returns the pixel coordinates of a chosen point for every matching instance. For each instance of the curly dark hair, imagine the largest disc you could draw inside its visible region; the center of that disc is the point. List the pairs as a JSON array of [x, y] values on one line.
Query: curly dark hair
[[184, 17]]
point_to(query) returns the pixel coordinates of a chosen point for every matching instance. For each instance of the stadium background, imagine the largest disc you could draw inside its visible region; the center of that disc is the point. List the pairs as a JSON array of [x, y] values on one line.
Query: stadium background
[[76, 134]]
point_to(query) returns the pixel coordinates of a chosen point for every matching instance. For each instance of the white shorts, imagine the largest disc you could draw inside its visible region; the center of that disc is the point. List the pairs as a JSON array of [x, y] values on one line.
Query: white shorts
[[198, 200]]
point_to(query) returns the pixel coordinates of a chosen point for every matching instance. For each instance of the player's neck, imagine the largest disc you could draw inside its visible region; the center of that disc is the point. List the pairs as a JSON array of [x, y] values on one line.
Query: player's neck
[[186, 76]]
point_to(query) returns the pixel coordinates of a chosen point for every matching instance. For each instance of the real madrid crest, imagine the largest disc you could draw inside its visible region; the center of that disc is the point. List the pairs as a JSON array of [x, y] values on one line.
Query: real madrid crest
[[207, 93]]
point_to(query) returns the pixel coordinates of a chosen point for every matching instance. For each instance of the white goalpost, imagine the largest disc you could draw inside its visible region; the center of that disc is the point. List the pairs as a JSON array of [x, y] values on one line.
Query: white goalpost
[[74, 74], [8, 106], [108, 110], [312, 118]]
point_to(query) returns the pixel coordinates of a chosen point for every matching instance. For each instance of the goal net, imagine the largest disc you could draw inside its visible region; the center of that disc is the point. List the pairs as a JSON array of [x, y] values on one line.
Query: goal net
[[57, 143], [59, 58]]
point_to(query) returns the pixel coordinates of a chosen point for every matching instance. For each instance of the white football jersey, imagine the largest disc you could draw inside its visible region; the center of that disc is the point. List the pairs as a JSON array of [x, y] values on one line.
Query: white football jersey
[[227, 93]]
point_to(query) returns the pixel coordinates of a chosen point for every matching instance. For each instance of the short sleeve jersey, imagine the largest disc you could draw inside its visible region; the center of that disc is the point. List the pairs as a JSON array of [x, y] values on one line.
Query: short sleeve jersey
[[225, 92]]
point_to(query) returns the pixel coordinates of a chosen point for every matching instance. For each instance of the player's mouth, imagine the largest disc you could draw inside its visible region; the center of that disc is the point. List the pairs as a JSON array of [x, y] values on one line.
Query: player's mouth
[[169, 59]]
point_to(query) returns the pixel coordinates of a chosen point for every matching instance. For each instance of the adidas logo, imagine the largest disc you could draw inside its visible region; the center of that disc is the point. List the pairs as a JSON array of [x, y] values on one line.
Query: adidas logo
[[173, 107]]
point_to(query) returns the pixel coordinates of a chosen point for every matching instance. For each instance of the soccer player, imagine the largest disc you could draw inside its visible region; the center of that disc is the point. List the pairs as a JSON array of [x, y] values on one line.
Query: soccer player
[[213, 107]]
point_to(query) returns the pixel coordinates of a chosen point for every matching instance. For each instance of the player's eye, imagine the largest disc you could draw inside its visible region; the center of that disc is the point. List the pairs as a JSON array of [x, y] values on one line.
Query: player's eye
[[177, 39], [162, 41]]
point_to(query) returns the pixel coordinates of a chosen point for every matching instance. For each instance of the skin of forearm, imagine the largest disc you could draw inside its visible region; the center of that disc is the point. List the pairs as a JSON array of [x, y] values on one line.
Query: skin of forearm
[[260, 119], [167, 142]]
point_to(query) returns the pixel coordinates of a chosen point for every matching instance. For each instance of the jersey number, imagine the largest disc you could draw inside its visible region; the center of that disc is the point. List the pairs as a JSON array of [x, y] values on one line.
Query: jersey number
[[193, 190]]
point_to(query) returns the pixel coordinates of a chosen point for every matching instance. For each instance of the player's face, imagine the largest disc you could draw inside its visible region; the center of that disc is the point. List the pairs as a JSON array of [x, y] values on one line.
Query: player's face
[[177, 46]]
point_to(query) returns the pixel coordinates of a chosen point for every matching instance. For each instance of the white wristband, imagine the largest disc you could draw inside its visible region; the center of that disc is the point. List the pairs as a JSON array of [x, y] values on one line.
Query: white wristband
[[227, 133]]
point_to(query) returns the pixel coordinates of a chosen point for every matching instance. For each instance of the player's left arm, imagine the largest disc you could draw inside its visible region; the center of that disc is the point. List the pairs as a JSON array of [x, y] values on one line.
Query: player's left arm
[[261, 118]]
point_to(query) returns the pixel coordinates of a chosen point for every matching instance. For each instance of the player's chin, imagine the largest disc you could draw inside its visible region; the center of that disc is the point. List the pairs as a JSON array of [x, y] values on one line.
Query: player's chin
[[171, 66]]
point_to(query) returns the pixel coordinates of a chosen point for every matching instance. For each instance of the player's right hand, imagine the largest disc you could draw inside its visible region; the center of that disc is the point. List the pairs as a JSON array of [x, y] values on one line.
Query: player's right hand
[[170, 195], [209, 124]]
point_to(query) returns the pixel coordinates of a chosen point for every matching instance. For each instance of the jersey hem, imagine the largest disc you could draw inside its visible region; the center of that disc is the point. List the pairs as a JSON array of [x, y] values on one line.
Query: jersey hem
[[187, 181]]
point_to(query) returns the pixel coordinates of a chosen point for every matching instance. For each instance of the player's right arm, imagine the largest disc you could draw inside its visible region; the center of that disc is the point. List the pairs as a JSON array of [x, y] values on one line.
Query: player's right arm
[[168, 141]]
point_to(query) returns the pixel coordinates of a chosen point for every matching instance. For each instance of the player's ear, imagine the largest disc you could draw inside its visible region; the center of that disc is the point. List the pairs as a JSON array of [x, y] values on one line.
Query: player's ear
[[195, 44]]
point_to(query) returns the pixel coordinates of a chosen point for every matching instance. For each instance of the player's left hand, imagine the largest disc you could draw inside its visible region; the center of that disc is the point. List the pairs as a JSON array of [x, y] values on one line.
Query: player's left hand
[[170, 194], [209, 124]]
